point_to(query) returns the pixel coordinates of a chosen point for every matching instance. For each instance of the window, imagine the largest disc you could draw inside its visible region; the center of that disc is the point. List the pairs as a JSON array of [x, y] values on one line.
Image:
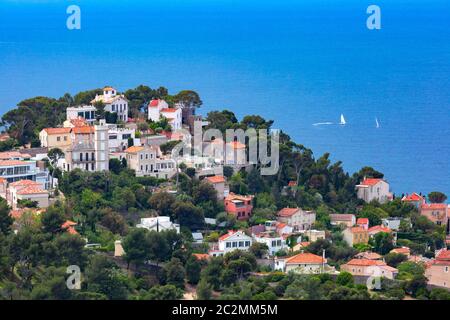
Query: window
[[65, 138], [81, 157], [92, 166], [87, 156], [234, 244], [241, 244], [58, 139], [247, 243], [446, 269], [228, 245]]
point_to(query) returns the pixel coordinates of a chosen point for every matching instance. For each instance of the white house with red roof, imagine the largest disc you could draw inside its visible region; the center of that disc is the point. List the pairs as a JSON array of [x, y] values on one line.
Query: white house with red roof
[[272, 240], [159, 108], [233, 240], [438, 270], [415, 199], [374, 189], [303, 263], [27, 190], [369, 268], [219, 184], [297, 218]]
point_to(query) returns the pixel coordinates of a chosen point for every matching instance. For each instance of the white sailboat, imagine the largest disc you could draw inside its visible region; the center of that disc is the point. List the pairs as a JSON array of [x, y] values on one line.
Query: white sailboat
[[343, 122], [377, 124]]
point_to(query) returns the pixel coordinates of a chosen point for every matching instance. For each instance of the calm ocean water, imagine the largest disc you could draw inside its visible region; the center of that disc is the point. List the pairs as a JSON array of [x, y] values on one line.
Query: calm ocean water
[[296, 62]]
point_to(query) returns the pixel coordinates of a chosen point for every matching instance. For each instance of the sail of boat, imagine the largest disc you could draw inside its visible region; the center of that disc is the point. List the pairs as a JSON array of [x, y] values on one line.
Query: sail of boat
[[343, 122], [377, 124]]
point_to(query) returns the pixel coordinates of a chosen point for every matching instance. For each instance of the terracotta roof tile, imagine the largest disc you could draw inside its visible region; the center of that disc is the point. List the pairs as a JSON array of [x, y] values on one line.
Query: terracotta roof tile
[[57, 130], [216, 179], [134, 149], [370, 182], [287, 212], [305, 258]]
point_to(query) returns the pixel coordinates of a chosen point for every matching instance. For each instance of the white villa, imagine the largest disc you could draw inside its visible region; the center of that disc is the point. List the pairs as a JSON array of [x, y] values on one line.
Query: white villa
[[114, 103], [233, 240], [273, 241], [374, 189], [159, 108], [158, 224]]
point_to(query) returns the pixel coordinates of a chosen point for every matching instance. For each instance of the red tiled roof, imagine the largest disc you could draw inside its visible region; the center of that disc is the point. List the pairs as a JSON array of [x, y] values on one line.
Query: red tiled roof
[[287, 212], [370, 181], [83, 130], [412, 197], [443, 255], [433, 206], [292, 183], [24, 182], [32, 190], [134, 149], [5, 163], [13, 154], [305, 258], [377, 229], [57, 130], [154, 103], [365, 262], [225, 236], [216, 179], [362, 221]]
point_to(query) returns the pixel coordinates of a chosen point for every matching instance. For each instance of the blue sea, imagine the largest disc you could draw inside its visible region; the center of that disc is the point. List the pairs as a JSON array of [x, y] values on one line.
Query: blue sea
[[296, 62]]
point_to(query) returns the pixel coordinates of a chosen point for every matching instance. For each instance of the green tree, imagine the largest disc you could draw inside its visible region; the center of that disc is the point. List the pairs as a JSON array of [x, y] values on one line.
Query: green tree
[[54, 155], [103, 276], [193, 269], [6, 220], [162, 202], [437, 197], [52, 220], [383, 242], [136, 247], [394, 259], [204, 290], [188, 215], [175, 273], [167, 292], [345, 279]]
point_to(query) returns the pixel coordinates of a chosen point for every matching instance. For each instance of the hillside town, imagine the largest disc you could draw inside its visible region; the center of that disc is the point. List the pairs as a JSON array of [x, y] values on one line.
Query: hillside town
[[98, 186]]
